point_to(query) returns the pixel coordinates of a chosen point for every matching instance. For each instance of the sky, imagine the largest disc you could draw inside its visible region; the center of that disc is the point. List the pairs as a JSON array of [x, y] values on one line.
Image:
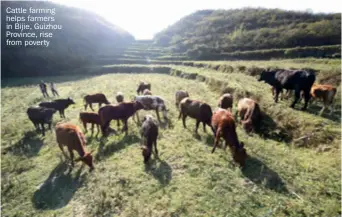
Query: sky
[[144, 18]]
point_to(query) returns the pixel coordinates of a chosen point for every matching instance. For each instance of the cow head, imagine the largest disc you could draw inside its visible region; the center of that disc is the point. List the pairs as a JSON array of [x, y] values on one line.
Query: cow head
[[139, 89], [138, 105], [267, 75], [70, 101], [147, 117], [239, 154], [87, 159]]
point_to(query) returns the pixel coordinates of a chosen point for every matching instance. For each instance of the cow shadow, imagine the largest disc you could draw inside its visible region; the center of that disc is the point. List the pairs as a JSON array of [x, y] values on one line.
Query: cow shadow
[[105, 151], [268, 128], [258, 172], [335, 116], [160, 170], [29, 145], [58, 189]]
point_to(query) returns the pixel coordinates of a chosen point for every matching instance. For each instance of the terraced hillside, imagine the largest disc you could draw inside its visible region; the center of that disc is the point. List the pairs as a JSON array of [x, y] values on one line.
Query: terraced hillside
[[285, 175]]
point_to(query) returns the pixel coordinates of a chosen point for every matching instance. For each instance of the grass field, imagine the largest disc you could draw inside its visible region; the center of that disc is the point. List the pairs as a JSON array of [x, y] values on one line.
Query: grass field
[[280, 179]]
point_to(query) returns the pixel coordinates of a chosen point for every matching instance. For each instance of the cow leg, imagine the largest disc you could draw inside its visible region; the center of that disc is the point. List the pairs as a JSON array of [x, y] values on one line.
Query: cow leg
[[118, 123], [204, 129], [155, 147], [157, 112], [100, 105], [217, 139], [50, 127], [104, 128], [62, 149], [63, 113], [180, 115], [43, 129], [60, 113], [71, 157], [322, 110], [197, 124], [91, 106], [98, 129], [85, 106], [306, 98], [184, 118], [137, 114], [277, 95], [125, 128], [331, 108], [297, 95], [92, 129], [85, 127]]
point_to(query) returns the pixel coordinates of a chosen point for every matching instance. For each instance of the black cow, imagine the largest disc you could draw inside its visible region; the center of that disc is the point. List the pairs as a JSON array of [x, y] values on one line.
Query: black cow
[[40, 115], [58, 104], [297, 80]]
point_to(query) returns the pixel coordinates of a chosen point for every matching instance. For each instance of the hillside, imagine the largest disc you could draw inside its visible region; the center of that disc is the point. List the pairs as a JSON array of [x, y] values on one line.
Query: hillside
[[284, 176], [249, 29], [83, 36]]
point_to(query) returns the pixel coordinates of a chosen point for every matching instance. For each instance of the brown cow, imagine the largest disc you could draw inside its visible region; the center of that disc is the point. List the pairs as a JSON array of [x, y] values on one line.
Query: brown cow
[[70, 135], [226, 101], [147, 92], [195, 109], [224, 126], [249, 113], [92, 118], [121, 111], [142, 86], [95, 98], [180, 94], [326, 93]]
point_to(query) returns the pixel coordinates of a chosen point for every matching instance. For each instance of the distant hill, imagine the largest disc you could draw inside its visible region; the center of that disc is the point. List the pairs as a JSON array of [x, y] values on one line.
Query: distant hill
[[250, 29], [84, 35]]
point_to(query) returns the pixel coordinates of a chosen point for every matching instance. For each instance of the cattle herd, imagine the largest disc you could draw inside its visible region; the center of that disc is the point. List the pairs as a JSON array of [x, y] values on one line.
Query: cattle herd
[[221, 121]]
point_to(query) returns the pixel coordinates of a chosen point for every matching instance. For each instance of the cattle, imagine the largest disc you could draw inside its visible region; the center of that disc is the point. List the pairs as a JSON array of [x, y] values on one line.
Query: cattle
[[40, 115], [147, 92], [297, 80], [122, 111], [95, 98], [92, 118], [59, 104], [119, 97], [249, 112], [326, 93], [70, 135], [224, 126], [142, 86], [198, 110], [180, 94], [149, 135], [226, 101], [153, 103]]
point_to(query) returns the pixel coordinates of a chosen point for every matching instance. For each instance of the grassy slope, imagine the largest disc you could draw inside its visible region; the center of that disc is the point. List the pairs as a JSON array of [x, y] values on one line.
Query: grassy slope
[[279, 179]]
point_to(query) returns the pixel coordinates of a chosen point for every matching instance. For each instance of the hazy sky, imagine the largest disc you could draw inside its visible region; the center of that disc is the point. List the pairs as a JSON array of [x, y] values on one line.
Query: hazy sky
[[144, 18]]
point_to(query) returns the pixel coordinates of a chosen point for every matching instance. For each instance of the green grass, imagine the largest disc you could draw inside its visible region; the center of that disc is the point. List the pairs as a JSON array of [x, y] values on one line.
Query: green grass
[[279, 180]]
